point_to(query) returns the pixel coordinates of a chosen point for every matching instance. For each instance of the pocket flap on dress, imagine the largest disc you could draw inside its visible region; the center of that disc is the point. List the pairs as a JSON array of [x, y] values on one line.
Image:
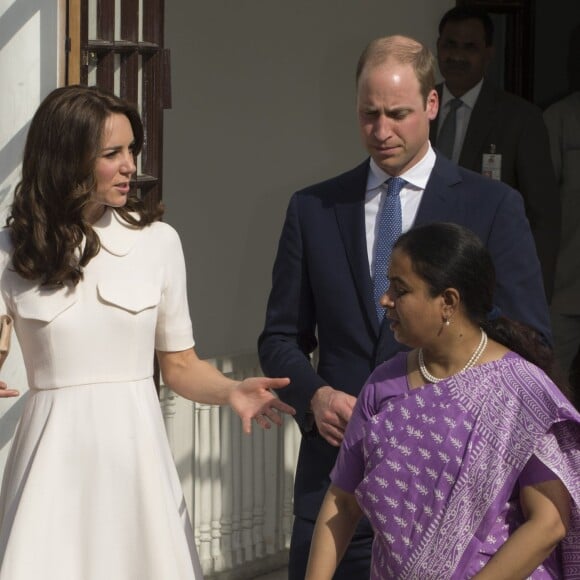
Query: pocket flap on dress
[[43, 304], [129, 295]]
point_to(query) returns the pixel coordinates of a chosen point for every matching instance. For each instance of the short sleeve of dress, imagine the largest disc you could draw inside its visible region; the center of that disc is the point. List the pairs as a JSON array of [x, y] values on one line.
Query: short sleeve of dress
[[535, 472], [349, 468], [173, 330], [389, 379]]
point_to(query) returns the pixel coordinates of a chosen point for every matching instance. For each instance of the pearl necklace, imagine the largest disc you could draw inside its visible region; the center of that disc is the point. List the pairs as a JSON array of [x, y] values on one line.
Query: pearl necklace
[[472, 360]]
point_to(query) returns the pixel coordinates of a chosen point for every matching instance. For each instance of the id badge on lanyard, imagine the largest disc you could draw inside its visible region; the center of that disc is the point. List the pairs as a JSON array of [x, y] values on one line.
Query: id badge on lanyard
[[491, 164]]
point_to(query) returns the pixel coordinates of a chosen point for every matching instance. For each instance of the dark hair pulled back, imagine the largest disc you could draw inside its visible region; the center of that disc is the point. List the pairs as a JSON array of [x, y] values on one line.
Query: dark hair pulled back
[[447, 255]]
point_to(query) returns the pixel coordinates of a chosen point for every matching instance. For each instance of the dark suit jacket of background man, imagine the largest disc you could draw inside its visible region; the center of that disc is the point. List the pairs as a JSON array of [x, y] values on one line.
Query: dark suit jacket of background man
[[516, 128], [322, 292]]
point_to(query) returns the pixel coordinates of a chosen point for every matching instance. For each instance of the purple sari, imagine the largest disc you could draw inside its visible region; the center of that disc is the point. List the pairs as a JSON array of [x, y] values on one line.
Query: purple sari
[[437, 469]]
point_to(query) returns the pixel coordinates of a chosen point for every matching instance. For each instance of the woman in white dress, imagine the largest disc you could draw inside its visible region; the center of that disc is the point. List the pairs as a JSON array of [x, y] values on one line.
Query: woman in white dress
[[96, 285]]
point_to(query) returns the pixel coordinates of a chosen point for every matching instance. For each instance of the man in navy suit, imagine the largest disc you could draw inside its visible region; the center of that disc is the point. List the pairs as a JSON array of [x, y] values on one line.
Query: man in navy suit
[[322, 294], [498, 134]]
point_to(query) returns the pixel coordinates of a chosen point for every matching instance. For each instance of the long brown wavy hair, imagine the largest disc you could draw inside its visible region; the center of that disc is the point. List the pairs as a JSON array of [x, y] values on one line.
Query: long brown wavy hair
[[46, 220]]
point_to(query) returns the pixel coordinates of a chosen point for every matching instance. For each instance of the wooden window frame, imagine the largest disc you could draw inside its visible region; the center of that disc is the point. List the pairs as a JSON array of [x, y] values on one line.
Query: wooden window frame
[[144, 76]]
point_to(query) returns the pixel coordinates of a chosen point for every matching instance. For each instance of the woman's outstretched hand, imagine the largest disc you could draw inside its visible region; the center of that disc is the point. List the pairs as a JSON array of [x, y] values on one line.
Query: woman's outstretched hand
[[5, 392], [253, 399]]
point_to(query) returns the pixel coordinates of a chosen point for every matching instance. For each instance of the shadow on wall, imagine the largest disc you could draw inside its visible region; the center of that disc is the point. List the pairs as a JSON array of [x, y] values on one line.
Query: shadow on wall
[[5, 198], [15, 18], [19, 77], [29, 64], [10, 420], [14, 375], [10, 157]]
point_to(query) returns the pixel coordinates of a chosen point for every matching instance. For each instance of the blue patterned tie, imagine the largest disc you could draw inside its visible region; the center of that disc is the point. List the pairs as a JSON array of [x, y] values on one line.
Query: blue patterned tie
[[390, 225]]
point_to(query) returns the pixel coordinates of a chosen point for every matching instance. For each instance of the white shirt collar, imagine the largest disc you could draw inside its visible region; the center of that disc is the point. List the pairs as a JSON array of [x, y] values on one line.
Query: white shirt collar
[[469, 98], [417, 176], [116, 235]]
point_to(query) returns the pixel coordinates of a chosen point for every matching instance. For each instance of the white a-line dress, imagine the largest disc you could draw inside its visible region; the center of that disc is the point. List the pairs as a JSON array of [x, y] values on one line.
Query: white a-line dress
[[90, 490]]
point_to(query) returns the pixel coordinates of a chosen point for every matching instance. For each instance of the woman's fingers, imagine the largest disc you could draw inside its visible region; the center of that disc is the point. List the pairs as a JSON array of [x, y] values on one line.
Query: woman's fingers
[[5, 392]]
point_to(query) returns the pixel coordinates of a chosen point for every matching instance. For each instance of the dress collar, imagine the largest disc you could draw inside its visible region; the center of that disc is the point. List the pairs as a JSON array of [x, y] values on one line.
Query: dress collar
[[117, 236]]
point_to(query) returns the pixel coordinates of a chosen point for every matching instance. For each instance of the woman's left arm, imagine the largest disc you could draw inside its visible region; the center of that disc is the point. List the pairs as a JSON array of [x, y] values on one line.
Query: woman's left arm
[[546, 507], [195, 379], [335, 525]]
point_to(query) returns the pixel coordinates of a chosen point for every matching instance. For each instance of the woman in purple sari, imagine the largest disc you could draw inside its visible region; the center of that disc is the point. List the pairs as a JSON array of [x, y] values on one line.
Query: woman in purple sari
[[462, 453]]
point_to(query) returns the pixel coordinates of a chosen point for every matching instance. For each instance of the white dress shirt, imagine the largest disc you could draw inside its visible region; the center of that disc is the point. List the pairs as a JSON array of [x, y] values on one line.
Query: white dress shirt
[[410, 196], [463, 114]]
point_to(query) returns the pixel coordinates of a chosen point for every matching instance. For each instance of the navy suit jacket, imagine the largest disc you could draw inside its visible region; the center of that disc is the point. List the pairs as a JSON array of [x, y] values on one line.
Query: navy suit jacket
[[517, 130], [322, 292]]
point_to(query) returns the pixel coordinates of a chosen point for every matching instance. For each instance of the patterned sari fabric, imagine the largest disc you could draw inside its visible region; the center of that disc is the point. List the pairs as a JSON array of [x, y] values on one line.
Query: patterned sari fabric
[[436, 469]]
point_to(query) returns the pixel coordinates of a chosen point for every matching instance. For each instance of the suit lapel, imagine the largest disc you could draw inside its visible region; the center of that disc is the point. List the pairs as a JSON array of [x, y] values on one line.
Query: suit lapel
[[438, 204], [439, 201], [477, 130], [350, 216]]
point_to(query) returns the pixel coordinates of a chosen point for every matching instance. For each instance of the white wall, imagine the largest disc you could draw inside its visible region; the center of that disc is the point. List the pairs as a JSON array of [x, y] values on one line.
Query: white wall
[[29, 61], [263, 104]]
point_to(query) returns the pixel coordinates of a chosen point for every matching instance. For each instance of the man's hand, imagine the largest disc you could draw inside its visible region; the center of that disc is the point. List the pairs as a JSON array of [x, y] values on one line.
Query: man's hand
[[332, 410]]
